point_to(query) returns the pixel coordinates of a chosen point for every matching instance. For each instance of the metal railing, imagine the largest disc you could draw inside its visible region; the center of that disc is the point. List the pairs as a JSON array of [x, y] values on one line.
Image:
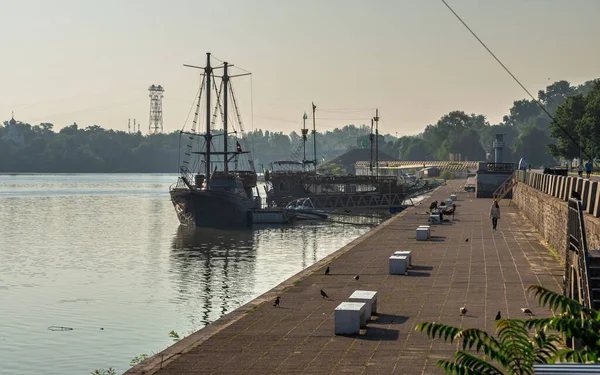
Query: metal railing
[[500, 167], [505, 187], [577, 243]]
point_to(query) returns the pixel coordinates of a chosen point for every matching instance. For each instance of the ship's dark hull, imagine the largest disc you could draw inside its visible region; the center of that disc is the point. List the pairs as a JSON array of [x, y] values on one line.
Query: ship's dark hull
[[212, 209]]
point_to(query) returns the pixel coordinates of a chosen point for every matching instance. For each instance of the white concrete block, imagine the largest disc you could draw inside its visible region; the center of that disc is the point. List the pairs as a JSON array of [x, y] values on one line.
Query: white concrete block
[[422, 234], [369, 298], [405, 253], [398, 264], [428, 229], [448, 203], [349, 317], [453, 197], [434, 219]]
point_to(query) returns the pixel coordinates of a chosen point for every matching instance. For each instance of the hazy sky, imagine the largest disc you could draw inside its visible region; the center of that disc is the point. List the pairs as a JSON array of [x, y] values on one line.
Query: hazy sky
[[91, 62]]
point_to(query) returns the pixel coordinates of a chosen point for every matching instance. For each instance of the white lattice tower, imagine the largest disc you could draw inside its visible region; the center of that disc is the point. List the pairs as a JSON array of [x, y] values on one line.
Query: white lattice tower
[[156, 114]]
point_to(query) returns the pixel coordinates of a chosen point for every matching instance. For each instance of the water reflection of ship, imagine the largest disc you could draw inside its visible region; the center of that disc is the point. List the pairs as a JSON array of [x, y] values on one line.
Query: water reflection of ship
[[215, 270], [360, 217], [305, 235]]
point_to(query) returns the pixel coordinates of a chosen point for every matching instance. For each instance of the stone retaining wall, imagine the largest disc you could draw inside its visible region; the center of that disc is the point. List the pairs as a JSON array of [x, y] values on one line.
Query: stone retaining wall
[[543, 199]]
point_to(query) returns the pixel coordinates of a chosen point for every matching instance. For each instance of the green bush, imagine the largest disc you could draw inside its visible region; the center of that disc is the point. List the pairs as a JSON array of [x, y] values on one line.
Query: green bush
[[447, 175], [333, 169], [518, 344]]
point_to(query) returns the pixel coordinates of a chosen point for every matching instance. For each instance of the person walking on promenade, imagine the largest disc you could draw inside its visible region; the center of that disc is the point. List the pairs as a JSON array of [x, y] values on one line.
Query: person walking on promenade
[[495, 214], [588, 169], [580, 170]]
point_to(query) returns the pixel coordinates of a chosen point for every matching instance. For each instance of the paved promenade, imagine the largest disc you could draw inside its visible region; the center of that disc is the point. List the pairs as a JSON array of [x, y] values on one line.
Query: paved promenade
[[488, 273]]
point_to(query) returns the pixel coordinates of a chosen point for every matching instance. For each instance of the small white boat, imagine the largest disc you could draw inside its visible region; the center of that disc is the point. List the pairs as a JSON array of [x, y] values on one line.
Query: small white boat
[[305, 210]]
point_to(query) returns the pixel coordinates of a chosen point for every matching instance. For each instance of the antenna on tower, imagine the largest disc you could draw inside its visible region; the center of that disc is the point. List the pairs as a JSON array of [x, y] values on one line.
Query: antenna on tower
[[128, 125], [155, 125]]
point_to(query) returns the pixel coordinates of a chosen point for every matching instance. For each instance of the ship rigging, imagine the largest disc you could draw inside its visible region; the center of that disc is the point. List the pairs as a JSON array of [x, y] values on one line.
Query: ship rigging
[[205, 195]]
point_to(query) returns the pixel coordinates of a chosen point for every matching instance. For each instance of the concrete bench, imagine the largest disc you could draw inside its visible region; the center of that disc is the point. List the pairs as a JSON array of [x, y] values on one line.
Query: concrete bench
[[422, 234], [349, 317], [449, 202], [435, 219], [405, 253], [453, 197], [369, 298], [398, 264], [428, 229]]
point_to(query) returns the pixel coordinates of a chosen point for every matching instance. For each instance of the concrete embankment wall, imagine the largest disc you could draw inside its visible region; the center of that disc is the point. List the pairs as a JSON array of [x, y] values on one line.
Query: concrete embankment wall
[[543, 200]]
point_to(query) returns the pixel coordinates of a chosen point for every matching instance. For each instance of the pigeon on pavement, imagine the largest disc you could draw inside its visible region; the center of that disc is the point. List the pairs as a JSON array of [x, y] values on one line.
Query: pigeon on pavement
[[526, 311]]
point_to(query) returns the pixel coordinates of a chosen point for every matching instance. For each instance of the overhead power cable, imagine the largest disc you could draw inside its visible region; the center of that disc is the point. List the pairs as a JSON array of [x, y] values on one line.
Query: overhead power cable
[[516, 80]]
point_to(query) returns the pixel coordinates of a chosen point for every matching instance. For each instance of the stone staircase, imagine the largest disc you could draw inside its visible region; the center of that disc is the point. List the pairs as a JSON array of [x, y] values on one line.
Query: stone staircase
[[505, 188]]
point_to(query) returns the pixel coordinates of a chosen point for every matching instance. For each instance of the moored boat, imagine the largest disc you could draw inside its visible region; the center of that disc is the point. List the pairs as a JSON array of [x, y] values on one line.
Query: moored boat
[[288, 180], [304, 209], [204, 195]]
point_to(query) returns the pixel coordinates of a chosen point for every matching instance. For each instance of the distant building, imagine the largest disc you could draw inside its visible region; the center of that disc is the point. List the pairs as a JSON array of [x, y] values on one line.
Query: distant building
[[455, 157], [429, 172], [13, 133]]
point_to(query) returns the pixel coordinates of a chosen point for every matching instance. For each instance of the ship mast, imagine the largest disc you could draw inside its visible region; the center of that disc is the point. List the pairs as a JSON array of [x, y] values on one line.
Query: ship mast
[[314, 107], [376, 143], [208, 75], [225, 119], [371, 142], [208, 135], [304, 133]]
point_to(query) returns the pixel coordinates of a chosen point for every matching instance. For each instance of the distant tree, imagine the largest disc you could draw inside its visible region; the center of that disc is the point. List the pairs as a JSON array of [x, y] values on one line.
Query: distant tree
[[522, 112], [556, 94], [71, 129], [453, 133], [465, 143], [567, 120], [585, 87], [402, 144], [417, 151], [532, 144], [589, 126], [87, 149]]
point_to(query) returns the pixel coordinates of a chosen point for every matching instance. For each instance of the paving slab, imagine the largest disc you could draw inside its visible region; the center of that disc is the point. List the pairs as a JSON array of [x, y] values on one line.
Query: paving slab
[[464, 262]]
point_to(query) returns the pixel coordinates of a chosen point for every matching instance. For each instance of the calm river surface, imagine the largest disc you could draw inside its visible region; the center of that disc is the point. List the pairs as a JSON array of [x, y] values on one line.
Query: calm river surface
[[104, 254]]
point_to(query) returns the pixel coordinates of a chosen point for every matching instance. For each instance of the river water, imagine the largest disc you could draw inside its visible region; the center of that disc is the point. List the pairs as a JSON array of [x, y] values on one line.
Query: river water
[[103, 255]]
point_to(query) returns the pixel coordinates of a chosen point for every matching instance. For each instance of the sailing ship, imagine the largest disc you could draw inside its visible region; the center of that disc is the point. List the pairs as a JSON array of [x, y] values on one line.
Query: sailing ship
[[204, 195], [289, 180]]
